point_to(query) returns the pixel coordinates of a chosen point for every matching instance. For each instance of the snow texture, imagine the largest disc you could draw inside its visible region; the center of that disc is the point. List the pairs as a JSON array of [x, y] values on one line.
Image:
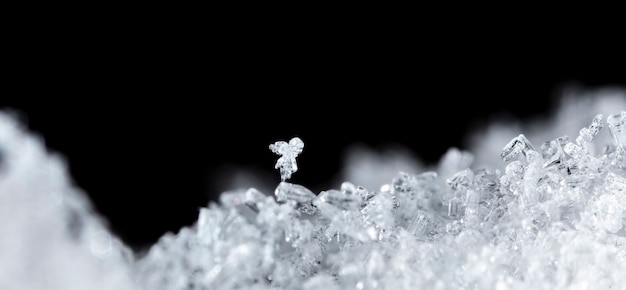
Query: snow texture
[[530, 206]]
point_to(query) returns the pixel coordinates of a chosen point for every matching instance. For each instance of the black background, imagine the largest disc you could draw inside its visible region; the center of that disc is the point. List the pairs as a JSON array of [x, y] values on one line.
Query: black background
[[150, 119]]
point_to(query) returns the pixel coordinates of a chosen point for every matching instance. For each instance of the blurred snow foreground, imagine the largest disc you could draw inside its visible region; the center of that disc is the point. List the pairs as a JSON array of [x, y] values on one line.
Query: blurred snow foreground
[[522, 212]]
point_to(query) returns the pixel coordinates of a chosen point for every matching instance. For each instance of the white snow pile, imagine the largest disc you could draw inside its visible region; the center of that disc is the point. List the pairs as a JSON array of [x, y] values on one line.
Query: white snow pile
[[540, 205]]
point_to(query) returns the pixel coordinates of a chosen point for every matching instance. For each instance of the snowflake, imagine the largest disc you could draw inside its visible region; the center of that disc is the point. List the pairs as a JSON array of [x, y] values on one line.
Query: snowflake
[[288, 153]]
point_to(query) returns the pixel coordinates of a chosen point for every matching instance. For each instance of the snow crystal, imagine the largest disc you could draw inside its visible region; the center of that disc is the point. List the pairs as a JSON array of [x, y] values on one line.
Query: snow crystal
[[547, 217], [288, 153]]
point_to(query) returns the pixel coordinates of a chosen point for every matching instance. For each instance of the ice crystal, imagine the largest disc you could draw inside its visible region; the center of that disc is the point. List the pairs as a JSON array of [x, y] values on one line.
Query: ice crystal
[[518, 145], [288, 153], [552, 220], [549, 217], [617, 124]]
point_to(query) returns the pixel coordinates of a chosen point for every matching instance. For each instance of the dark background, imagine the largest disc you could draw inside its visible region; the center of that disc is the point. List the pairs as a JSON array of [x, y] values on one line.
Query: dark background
[[150, 120]]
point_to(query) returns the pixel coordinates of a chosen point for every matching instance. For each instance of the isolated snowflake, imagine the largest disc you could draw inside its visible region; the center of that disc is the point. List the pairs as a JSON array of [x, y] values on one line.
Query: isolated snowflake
[[288, 153]]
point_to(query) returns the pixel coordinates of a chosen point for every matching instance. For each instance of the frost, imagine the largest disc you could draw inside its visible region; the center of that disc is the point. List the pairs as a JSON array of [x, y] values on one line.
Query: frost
[[546, 217]]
